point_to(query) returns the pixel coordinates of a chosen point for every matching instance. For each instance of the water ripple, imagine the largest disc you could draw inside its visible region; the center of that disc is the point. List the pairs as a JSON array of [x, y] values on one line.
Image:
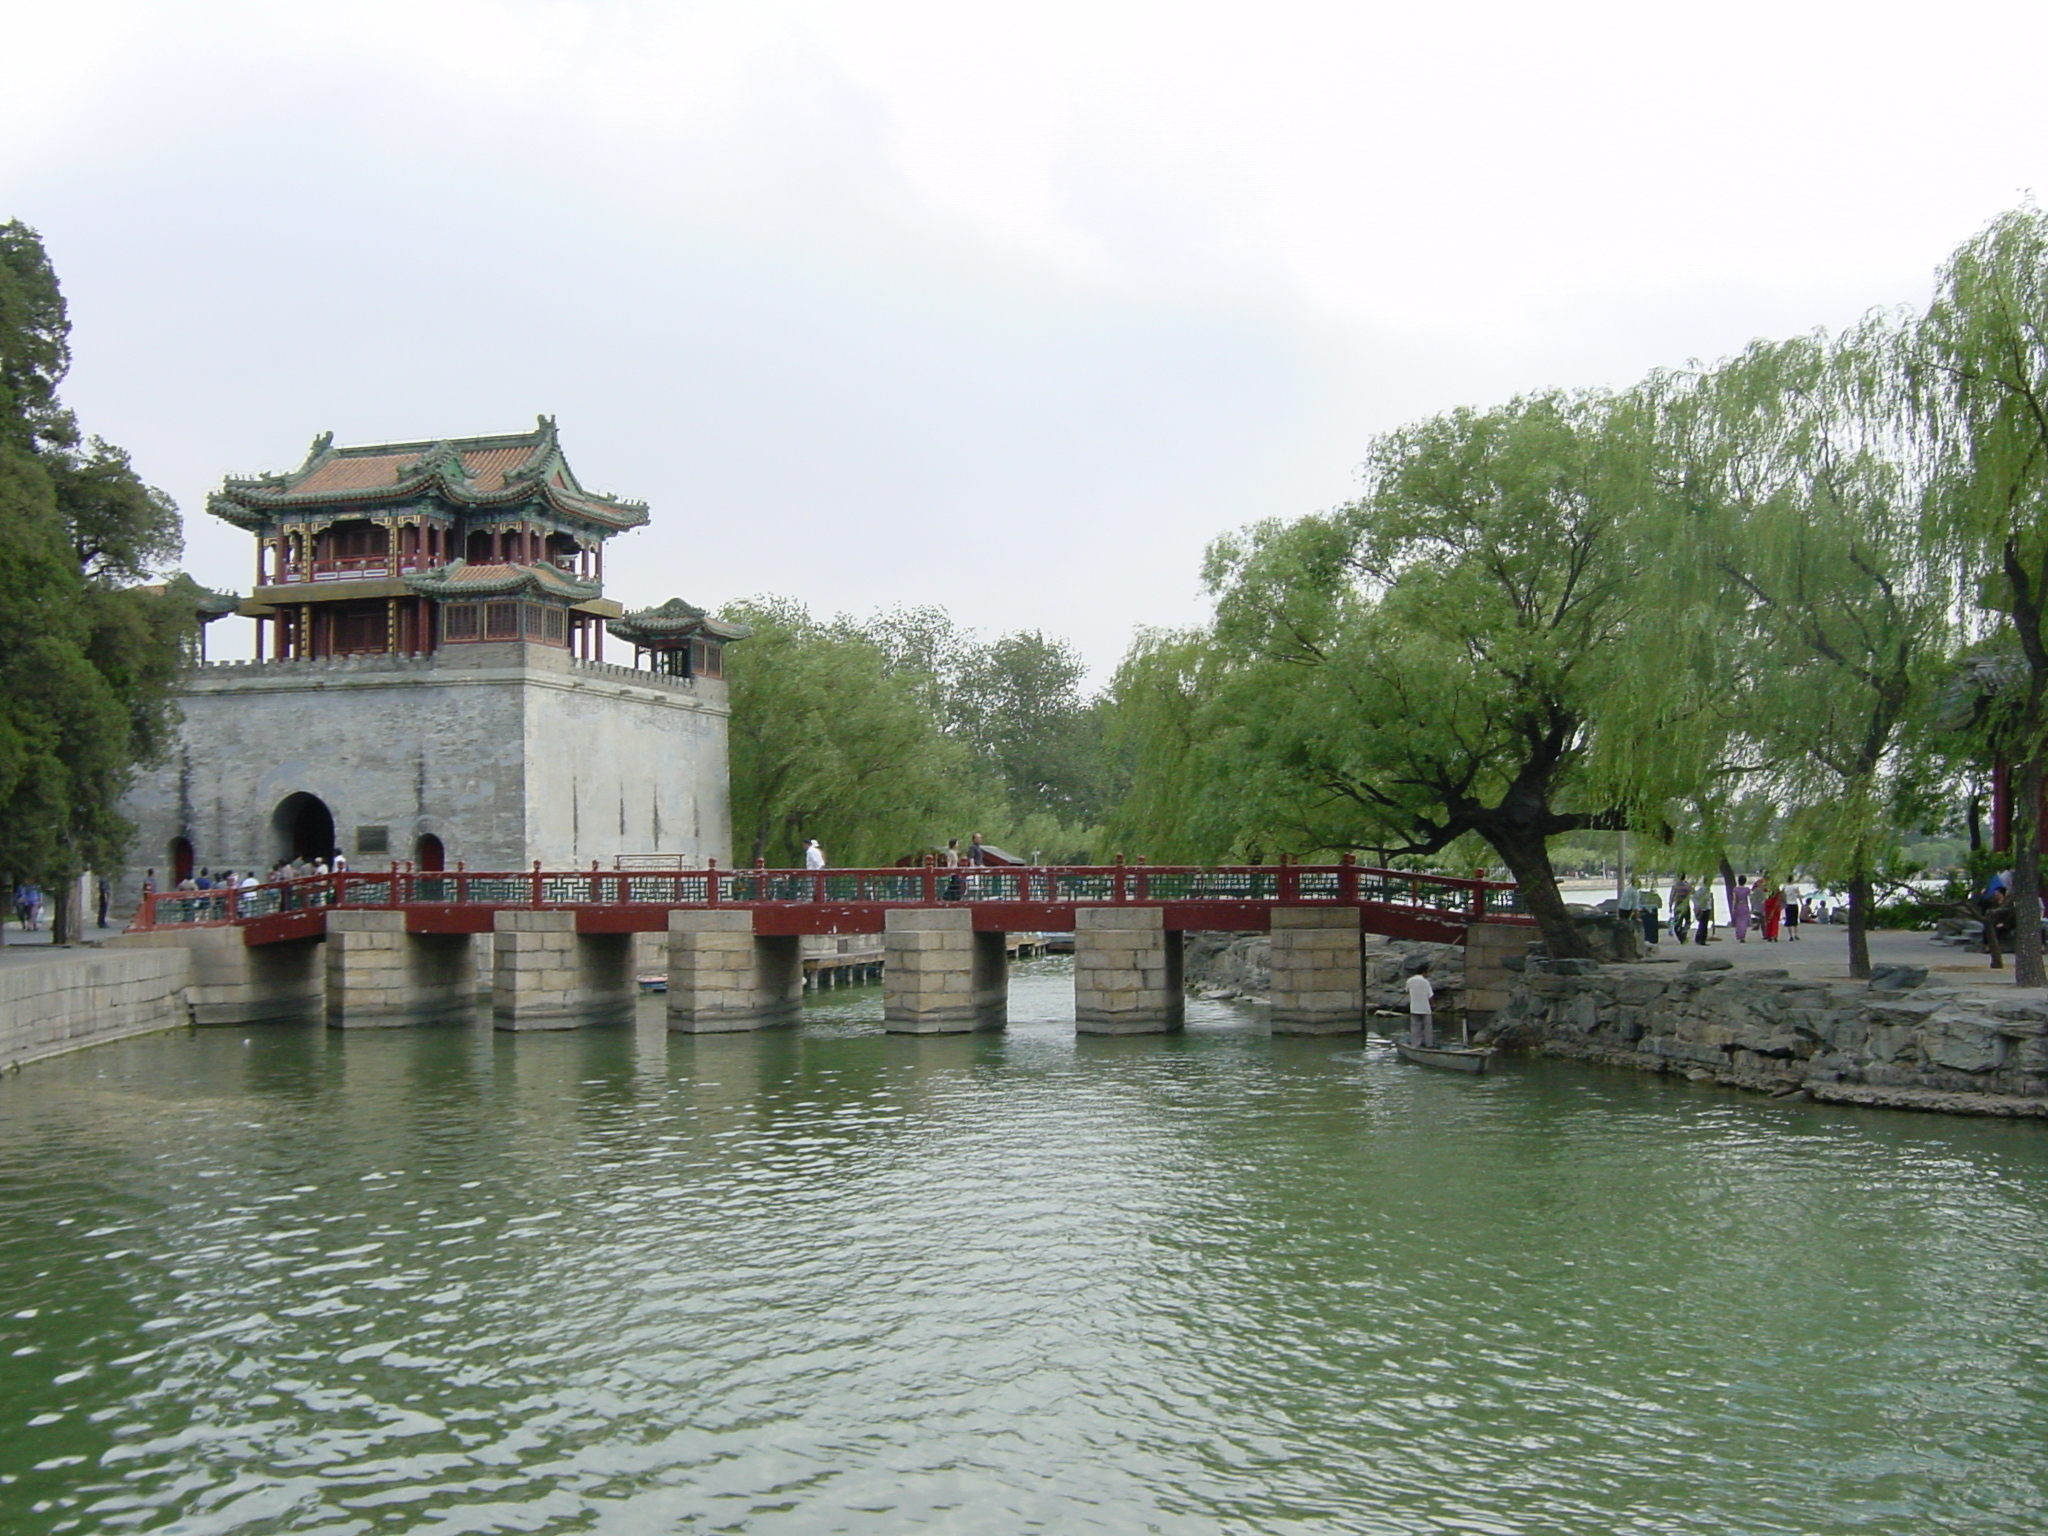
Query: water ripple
[[832, 1280]]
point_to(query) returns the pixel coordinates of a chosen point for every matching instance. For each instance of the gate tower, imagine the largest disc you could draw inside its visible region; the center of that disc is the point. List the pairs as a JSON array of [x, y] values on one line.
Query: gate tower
[[430, 682]]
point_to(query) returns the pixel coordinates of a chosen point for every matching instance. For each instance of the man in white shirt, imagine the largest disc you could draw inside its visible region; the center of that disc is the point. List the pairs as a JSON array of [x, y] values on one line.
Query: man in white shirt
[[1421, 1015], [814, 856]]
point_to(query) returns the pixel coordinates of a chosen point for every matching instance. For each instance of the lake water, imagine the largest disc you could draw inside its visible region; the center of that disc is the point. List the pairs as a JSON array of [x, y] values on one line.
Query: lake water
[[827, 1280]]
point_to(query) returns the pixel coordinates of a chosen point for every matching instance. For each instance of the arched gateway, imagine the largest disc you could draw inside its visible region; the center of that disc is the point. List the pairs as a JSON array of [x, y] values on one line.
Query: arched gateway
[[302, 827]]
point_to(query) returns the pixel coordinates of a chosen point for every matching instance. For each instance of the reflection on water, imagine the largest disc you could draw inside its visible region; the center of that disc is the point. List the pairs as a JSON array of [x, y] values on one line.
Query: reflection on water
[[444, 1280]]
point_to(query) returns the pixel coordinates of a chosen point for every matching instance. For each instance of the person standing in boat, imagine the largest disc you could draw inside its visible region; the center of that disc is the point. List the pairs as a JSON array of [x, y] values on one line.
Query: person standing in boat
[[1421, 1011]]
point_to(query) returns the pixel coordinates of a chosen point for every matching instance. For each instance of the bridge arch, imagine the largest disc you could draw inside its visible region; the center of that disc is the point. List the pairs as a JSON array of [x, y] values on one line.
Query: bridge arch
[[302, 827]]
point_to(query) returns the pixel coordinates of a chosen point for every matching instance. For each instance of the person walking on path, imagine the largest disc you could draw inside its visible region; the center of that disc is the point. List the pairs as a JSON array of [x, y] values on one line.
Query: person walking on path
[[1681, 908], [1421, 1010], [1738, 909], [1774, 910], [1703, 905], [1792, 914]]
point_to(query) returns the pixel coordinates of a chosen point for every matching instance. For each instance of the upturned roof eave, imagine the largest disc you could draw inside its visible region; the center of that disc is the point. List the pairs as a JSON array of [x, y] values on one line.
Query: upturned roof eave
[[444, 584], [255, 505]]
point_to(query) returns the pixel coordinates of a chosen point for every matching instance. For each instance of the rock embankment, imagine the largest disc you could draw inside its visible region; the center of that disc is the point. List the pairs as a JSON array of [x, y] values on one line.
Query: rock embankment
[[1240, 966], [1898, 1042]]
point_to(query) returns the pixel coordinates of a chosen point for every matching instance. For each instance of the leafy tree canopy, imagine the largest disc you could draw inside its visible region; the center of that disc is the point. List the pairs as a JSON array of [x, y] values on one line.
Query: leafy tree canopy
[[88, 659]]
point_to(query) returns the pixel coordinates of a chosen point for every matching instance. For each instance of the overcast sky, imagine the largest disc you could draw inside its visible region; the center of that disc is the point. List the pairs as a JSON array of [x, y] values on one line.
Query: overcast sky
[[1010, 308]]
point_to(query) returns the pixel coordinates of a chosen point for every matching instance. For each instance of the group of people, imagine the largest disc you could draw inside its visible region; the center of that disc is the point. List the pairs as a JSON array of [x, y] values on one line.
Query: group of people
[[1775, 910], [28, 906], [225, 879], [306, 869]]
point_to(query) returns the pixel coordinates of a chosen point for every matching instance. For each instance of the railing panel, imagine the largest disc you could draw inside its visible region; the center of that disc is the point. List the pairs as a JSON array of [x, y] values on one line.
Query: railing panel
[[1451, 896]]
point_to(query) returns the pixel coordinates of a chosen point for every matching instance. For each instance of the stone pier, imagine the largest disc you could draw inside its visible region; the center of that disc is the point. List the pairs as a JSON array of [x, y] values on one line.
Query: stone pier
[[939, 976], [232, 983], [722, 977], [1488, 981], [1318, 961], [378, 974], [546, 975], [1127, 972]]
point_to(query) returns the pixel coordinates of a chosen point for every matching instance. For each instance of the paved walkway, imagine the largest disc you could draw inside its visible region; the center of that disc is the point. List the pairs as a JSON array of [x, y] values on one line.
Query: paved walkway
[[1823, 954], [34, 947]]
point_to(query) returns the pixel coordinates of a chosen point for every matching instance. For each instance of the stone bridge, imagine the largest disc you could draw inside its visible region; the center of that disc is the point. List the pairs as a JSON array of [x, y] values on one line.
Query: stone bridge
[[396, 946]]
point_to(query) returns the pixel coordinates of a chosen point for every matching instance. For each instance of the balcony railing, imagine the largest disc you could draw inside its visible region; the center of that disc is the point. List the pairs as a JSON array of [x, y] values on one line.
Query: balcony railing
[[353, 568]]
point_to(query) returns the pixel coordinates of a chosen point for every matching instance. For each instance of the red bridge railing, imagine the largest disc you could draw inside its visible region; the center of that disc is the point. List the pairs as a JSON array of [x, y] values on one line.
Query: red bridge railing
[[1347, 884]]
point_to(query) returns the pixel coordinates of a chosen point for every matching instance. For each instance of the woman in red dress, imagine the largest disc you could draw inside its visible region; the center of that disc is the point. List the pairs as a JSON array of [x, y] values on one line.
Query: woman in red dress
[[1774, 912]]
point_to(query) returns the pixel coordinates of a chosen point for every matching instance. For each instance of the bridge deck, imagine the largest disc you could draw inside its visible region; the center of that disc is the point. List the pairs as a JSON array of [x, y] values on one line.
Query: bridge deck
[[1004, 899]]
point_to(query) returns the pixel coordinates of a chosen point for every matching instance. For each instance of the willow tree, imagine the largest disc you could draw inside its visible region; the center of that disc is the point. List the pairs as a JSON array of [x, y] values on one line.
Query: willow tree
[[1430, 663], [829, 739], [1976, 373], [1792, 526]]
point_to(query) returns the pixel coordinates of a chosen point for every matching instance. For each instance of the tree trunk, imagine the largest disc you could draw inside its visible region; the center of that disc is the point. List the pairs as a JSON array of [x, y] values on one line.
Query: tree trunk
[[64, 911], [1727, 886], [2026, 877], [1527, 857], [1976, 820], [1859, 925]]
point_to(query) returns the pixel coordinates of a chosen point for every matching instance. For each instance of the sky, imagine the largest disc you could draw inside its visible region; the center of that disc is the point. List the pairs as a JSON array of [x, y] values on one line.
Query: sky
[[1010, 309]]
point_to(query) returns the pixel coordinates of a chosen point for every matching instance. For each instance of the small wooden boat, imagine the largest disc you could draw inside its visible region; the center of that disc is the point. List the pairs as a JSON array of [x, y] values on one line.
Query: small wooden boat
[[1455, 1058], [654, 981]]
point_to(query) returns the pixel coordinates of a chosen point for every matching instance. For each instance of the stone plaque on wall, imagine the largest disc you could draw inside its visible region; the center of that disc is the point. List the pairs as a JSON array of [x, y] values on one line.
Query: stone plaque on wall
[[373, 839]]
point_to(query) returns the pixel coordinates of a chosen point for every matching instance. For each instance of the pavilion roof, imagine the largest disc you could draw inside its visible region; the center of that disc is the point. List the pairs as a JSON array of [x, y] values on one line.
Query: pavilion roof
[[674, 620], [207, 604], [480, 473], [462, 580]]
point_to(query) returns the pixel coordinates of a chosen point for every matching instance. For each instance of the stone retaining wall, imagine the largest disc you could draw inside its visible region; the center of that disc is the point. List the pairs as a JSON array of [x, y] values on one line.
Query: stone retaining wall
[[1898, 1041], [1240, 966], [89, 997]]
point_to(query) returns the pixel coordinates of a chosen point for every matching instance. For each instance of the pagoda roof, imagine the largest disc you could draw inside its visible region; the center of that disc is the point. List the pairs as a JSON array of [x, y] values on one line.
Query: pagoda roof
[[206, 604], [478, 473], [460, 580], [674, 620]]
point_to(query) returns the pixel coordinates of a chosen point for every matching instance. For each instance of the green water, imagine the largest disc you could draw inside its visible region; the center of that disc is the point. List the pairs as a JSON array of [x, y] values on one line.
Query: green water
[[444, 1280]]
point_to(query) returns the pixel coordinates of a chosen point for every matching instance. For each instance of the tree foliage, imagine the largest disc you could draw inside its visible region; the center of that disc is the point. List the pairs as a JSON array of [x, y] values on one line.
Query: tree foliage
[[1790, 537], [87, 658], [884, 737], [1976, 385], [831, 740], [1419, 669]]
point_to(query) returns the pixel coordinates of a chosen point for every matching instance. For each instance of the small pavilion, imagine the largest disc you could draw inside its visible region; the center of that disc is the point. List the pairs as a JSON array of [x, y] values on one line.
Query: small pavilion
[[678, 639], [402, 548]]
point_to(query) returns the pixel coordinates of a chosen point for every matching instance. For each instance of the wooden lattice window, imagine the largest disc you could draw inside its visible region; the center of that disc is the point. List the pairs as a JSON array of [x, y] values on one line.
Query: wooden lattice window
[[461, 621], [501, 621]]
